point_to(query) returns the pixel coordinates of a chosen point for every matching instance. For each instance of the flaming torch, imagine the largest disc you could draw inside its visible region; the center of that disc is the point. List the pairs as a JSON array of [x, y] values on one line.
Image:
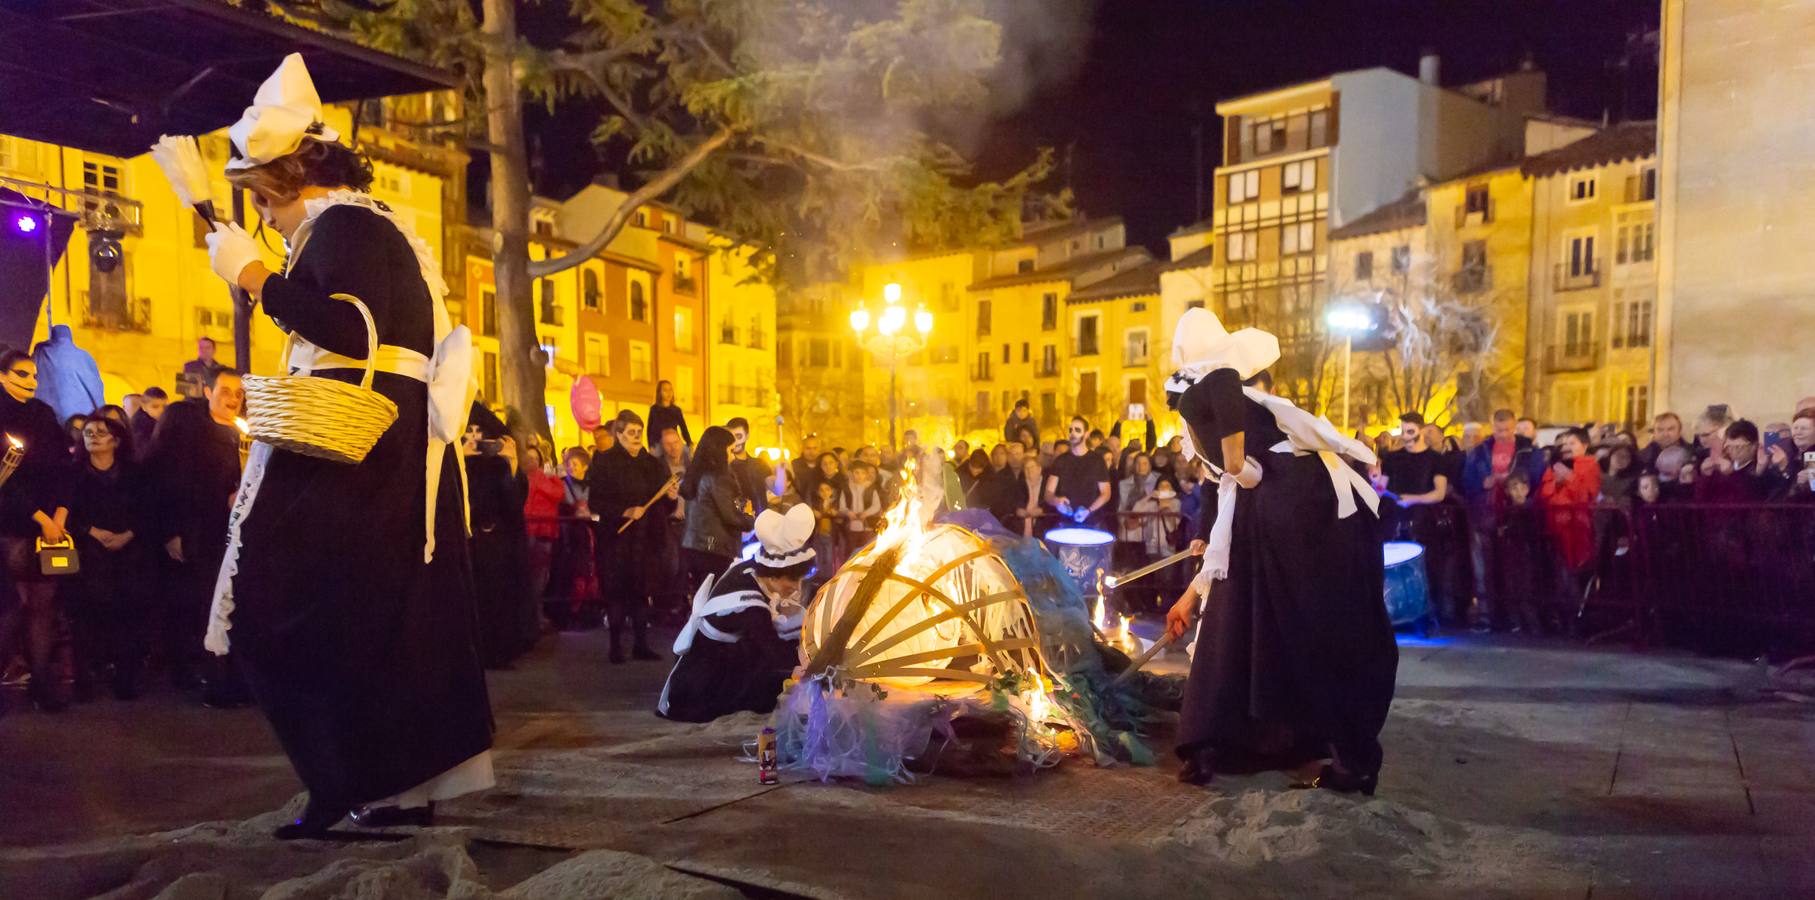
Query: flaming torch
[[15, 454], [245, 440]]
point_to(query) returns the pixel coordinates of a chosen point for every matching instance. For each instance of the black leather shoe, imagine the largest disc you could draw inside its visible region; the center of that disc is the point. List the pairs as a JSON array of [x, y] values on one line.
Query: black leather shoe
[[393, 817], [1199, 769], [315, 821]]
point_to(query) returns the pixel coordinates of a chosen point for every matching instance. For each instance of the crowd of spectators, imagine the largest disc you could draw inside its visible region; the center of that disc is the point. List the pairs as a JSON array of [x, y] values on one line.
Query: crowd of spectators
[[1521, 525], [113, 523], [1527, 528]]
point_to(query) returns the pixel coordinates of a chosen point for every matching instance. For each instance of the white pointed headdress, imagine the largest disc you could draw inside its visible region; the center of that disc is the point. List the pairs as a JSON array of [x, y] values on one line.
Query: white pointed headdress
[[784, 537], [286, 111], [1201, 344]]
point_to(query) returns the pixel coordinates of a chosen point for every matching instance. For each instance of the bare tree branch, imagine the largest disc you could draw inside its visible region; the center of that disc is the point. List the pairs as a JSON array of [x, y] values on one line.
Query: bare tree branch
[[651, 190]]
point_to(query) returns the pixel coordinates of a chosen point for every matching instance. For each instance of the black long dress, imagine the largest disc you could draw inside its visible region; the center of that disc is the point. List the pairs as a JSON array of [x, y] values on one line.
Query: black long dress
[[717, 677], [500, 561], [1295, 651], [363, 658]]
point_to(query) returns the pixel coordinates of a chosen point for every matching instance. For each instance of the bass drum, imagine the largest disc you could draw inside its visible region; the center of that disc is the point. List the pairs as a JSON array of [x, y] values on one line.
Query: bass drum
[[1408, 599]]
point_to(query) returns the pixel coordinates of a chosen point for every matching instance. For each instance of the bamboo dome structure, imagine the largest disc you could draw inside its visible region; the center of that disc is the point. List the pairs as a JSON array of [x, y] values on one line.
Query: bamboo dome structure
[[932, 608]]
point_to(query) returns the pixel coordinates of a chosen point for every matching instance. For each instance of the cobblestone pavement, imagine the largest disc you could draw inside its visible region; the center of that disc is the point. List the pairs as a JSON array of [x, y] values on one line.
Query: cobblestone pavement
[[1512, 769]]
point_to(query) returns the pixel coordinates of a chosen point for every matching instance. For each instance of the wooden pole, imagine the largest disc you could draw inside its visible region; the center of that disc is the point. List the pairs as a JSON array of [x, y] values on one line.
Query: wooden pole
[[1139, 661], [1116, 581], [672, 479]]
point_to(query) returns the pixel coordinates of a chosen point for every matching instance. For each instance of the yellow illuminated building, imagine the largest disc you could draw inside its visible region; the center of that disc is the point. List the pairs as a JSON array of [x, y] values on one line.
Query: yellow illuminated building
[[1307, 159], [667, 300], [1455, 248], [142, 319], [1006, 328], [1594, 278]]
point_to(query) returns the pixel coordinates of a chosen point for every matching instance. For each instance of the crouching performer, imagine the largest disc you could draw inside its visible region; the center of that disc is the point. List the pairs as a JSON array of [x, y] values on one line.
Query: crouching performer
[[744, 636]]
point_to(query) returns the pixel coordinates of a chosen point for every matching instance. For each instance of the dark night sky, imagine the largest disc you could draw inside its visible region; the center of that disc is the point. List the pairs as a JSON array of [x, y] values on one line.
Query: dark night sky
[[1147, 71]]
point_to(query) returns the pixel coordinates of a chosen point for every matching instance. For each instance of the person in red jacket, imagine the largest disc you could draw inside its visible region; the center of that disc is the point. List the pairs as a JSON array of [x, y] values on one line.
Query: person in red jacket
[[1571, 485], [541, 518]]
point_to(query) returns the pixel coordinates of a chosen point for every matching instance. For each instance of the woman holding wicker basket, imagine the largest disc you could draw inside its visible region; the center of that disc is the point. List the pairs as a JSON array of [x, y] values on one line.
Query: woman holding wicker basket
[[346, 592]]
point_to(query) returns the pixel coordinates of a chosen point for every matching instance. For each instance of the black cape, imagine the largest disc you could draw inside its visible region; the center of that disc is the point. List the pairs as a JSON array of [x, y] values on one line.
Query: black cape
[[717, 678], [1295, 652], [362, 656]]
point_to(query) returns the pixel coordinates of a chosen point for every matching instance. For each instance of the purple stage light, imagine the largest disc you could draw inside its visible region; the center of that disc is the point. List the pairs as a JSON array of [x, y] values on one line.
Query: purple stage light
[[26, 224]]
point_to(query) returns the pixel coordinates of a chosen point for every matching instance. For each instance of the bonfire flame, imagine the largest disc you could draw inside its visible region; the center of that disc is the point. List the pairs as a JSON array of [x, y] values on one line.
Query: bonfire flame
[[1039, 705]]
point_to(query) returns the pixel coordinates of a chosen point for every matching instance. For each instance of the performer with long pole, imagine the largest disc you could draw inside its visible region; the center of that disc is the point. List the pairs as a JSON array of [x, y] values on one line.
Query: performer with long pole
[[345, 592], [1295, 661]]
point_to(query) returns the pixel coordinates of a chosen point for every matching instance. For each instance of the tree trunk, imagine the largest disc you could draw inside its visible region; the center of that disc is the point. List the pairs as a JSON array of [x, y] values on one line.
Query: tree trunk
[[521, 376]]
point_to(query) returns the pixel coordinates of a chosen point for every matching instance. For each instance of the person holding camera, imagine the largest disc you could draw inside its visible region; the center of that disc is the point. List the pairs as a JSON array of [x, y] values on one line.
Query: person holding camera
[[500, 542], [1794, 460]]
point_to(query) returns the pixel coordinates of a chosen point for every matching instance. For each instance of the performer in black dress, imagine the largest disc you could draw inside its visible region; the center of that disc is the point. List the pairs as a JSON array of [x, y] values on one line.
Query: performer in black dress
[[744, 636], [346, 586], [1295, 661]]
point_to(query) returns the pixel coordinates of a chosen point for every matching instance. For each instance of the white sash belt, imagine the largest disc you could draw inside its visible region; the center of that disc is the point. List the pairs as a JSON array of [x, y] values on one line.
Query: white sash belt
[[395, 360]]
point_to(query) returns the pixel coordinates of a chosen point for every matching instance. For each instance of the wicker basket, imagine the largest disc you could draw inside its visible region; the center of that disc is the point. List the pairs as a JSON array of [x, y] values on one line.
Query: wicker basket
[[320, 417]]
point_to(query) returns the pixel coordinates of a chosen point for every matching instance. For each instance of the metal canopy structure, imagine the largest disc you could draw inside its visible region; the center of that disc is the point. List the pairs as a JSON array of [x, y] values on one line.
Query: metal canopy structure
[[110, 76]]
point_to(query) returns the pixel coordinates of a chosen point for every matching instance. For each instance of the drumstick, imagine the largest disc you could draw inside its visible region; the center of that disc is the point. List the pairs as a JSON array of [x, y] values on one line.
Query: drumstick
[[1139, 661], [1148, 569], [645, 507]]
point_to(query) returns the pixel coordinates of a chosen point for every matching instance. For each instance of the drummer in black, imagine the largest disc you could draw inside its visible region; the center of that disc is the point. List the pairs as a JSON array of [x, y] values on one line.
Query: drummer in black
[[1295, 662], [1077, 482]]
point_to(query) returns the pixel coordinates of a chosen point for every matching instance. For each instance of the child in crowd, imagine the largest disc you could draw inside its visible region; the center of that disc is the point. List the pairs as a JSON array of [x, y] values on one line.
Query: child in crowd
[[860, 506], [826, 532], [1521, 555]]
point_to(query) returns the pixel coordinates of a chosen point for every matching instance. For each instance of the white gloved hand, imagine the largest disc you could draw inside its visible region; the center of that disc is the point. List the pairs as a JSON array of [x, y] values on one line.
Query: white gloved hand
[[230, 251], [1250, 474]]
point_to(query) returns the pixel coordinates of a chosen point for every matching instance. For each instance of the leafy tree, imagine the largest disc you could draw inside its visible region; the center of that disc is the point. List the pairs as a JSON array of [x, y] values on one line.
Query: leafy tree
[[808, 128]]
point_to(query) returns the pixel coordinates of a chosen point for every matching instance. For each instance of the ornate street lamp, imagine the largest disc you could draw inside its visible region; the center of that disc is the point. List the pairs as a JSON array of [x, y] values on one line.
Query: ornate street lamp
[[891, 338]]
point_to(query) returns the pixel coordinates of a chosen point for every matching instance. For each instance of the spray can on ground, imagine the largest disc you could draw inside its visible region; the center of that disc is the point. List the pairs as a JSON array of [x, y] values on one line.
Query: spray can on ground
[[765, 757]]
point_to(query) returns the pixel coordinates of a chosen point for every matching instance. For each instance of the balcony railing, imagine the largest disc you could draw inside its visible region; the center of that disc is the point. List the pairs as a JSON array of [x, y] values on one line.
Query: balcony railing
[[1132, 358], [550, 314], [1047, 370], [1466, 217], [980, 372], [1572, 358], [130, 315], [753, 338], [1084, 347], [1583, 279], [684, 284]]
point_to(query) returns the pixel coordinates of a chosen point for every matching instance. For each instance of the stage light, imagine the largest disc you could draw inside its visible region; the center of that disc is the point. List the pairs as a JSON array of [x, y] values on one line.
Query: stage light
[[26, 224], [104, 251]]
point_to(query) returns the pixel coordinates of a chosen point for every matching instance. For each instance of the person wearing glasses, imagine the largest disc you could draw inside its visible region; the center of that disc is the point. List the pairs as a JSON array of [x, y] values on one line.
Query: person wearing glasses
[[34, 505]]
